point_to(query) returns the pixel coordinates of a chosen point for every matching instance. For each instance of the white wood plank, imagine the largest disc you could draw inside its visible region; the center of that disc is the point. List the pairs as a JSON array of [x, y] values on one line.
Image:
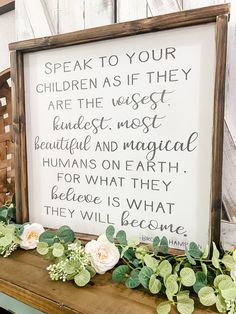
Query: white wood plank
[[70, 15], [23, 27], [156, 7], [231, 74], [99, 12], [51, 12], [191, 4], [39, 21], [7, 35], [228, 232], [131, 10]]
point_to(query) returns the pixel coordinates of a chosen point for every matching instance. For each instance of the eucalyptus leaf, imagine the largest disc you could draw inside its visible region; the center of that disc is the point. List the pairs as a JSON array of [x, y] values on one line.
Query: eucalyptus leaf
[[228, 261], [121, 237], [145, 275], [42, 248], [12, 213], [65, 234], [151, 262], [82, 278], [207, 296], [119, 274], [110, 231], [154, 284], [194, 250], [171, 284], [185, 306], [228, 289], [4, 213], [206, 252], [128, 253], [190, 258], [215, 257], [187, 276], [155, 245], [47, 237], [20, 229], [204, 268], [58, 250], [165, 268], [182, 295], [234, 256], [201, 281], [164, 245], [91, 270], [220, 304], [164, 307], [220, 278], [133, 280]]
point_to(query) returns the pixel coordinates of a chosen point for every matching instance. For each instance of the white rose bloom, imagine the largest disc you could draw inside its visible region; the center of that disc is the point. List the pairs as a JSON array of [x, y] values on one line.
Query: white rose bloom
[[233, 273], [104, 255], [30, 236]]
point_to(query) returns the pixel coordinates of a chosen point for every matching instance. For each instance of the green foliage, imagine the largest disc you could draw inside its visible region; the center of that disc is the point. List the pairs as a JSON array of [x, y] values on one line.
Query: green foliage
[[82, 278], [157, 270], [145, 275], [201, 281], [164, 307], [207, 296], [9, 241], [133, 280], [71, 260], [63, 235], [7, 213], [161, 272], [110, 231], [120, 273]]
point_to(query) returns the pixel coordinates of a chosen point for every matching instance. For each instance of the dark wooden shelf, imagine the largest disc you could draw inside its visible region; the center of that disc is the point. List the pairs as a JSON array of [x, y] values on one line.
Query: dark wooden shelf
[[23, 276]]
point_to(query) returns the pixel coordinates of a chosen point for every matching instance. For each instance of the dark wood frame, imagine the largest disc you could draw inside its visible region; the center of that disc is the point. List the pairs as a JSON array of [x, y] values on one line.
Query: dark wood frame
[[6, 6], [217, 14]]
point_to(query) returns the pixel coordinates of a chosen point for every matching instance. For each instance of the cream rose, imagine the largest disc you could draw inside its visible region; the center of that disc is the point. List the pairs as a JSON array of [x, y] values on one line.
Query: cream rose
[[104, 255], [30, 236]]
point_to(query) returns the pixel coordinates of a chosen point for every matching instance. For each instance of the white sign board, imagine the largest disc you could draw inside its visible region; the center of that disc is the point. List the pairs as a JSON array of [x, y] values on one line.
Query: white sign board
[[120, 132]]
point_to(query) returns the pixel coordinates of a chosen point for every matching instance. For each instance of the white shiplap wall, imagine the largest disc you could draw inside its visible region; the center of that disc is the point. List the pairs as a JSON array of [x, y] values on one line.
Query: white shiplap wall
[[7, 35]]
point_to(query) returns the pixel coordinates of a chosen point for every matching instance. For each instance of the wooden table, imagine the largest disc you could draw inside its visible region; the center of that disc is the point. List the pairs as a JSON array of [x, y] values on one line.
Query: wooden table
[[23, 276]]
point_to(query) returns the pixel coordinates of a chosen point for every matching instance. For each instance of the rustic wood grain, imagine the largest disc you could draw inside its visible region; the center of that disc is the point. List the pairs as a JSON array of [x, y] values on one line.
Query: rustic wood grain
[[229, 176], [19, 136], [218, 126], [167, 21], [23, 276], [6, 6]]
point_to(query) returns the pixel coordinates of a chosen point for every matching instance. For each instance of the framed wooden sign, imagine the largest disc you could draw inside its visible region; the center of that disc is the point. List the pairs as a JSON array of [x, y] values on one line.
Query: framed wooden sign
[[123, 125]]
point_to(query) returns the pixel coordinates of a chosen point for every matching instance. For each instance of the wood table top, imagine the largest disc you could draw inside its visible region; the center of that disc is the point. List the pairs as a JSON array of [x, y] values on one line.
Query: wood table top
[[23, 276]]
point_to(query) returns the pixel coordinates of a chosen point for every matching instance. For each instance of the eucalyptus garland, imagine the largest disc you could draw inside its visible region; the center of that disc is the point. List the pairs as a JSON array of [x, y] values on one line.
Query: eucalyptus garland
[[208, 275]]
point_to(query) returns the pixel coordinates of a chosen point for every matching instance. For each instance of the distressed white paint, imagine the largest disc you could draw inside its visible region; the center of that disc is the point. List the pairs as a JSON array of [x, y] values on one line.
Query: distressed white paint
[[38, 18], [131, 10], [156, 7], [97, 13], [7, 35], [191, 4], [70, 14]]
